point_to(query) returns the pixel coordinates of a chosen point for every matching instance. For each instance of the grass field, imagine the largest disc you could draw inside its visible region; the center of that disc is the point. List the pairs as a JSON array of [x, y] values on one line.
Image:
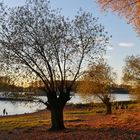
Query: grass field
[[81, 123]]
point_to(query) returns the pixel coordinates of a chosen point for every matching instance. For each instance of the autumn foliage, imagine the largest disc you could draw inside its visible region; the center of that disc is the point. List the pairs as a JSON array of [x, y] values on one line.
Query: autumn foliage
[[131, 73], [130, 9], [98, 81]]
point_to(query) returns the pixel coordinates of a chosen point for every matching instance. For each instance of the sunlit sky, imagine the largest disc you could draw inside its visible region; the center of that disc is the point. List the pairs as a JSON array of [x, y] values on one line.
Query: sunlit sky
[[124, 40]]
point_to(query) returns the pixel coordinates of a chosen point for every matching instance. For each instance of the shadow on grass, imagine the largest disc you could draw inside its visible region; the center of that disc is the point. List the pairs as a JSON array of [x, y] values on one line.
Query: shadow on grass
[[74, 133], [111, 133]]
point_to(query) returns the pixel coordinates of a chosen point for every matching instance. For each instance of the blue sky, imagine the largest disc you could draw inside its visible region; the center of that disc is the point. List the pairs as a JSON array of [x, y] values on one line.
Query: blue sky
[[124, 39]]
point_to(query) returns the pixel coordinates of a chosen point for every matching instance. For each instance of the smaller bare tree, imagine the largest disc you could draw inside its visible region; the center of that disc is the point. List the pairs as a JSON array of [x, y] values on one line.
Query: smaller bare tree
[[131, 74], [98, 81]]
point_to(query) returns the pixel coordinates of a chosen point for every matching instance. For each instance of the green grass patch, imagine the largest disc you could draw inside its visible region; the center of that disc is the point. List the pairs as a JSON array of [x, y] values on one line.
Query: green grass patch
[[16, 122]]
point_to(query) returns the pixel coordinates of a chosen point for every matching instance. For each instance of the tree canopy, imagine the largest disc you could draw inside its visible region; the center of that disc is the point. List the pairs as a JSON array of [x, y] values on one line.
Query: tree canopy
[[97, 81], [132, 69], [131, 73], [38, 42], [130, 9]]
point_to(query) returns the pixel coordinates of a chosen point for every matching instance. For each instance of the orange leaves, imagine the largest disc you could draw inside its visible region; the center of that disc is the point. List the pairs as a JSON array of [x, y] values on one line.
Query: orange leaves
[[130, 9], [122, 125], [132, 73], [97, 80]]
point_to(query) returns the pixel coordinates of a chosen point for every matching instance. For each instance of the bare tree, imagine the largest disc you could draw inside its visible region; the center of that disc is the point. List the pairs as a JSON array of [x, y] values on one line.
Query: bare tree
[[131, 74], [98, 81], [38, 42]]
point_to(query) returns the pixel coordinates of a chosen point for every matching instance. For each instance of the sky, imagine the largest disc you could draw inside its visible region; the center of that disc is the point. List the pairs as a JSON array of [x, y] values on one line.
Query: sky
[[125, 40]]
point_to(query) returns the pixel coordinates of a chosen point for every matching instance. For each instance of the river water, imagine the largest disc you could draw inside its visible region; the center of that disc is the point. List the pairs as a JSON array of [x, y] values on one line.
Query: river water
[[16, 107]]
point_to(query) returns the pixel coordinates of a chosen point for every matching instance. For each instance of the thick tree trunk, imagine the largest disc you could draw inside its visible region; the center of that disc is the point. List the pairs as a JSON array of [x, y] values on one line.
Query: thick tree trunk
[[56, 107], [57, 119], [108, 108]]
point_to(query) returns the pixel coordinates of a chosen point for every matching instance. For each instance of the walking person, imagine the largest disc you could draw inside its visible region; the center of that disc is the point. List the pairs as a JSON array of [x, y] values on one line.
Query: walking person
[[4, 111]]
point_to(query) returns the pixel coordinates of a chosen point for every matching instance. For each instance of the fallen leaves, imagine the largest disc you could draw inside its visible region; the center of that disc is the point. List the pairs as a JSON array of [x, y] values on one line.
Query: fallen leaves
[[121, 125]]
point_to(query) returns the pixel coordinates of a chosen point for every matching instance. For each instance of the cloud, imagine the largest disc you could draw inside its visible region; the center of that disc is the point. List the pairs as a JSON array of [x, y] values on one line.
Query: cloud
[[126, 45]]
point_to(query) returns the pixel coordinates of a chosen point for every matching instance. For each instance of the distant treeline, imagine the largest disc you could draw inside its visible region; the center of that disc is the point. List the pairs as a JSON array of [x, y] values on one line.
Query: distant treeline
[[7, 85], [37, 87], [39, 90]]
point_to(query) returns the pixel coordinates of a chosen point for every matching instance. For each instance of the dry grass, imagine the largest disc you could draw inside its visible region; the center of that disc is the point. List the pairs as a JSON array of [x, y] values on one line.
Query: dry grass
[[23, 121], [82, 124]]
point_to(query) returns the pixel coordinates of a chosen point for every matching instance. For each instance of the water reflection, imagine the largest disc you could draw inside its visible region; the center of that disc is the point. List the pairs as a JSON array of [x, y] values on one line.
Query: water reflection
[[85, 99], [20, 107], [16, 107]]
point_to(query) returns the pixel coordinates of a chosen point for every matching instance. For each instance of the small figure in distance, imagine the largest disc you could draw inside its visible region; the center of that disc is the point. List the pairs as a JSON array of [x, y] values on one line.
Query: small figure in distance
[[4, 111]]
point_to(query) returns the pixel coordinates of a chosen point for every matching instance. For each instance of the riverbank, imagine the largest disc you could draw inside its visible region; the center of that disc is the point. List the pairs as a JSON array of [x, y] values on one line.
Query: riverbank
[[82, 123]]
